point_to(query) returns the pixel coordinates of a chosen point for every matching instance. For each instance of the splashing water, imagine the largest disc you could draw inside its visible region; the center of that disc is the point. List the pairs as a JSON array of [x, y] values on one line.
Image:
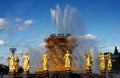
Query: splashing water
[[36, 55], [67, 22], [70, 22]]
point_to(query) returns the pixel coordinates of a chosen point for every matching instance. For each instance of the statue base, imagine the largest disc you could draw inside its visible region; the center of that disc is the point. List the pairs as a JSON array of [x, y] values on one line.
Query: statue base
[[45, 74], [11, 75], [88, 71], [109, 71], [25, 74], [68, 74], [103, 74], [103, 71]]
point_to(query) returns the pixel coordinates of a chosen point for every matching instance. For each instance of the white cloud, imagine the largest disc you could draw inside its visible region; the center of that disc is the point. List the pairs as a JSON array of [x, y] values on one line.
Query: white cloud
[[15, 25], [28, 22], [21, 28], [24, 25], [18, 19], [42, 45], [102, 46], [3, 23], [2, 42], [29, 41], [90, 37]]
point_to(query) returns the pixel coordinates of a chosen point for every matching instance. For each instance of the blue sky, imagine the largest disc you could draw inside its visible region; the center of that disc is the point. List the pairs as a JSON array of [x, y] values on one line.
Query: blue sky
[[25, 23]]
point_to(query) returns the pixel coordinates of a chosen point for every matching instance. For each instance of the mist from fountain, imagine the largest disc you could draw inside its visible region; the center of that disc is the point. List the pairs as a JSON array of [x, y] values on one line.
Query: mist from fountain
[[69, 21], [36, 55]]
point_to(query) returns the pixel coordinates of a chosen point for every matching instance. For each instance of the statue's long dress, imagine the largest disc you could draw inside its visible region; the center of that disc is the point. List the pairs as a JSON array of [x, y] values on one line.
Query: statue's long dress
[[102, 63], [12, 65], [26, 65]]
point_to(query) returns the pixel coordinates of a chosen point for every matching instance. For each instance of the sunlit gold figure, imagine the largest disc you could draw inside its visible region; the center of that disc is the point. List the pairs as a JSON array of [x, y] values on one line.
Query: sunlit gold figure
[[109, 64], [16, 64], [102, 61], [89, 60], [11, 61], [26, 60], [44, 60], [67, 58]]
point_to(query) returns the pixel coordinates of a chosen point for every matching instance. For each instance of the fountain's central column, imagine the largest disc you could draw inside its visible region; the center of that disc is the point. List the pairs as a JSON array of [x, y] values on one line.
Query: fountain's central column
[[57, 46]]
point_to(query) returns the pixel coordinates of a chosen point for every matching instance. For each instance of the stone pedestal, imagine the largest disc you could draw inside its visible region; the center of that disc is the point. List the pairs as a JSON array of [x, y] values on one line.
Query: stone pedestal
[[68, 74], [109, 71], [25, 74], [11, 75], [110, 74], [103, 74], [88, 71], [45, 74]]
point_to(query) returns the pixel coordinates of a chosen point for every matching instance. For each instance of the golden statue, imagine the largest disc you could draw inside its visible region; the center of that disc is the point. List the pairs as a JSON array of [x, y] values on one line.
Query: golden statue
[[11, 61], [109, 65], [102, 61], [16, 64], [26, 60], [45, 60], [67, 58], [89, 60]]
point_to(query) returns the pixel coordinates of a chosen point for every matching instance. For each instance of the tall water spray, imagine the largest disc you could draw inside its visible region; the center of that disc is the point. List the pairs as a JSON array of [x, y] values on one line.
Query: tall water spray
[[69, 21]]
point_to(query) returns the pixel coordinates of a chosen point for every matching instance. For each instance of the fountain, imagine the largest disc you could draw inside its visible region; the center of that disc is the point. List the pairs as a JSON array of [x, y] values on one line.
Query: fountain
[[70, 36], [57, 45], [70, 22], [71, 39]]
